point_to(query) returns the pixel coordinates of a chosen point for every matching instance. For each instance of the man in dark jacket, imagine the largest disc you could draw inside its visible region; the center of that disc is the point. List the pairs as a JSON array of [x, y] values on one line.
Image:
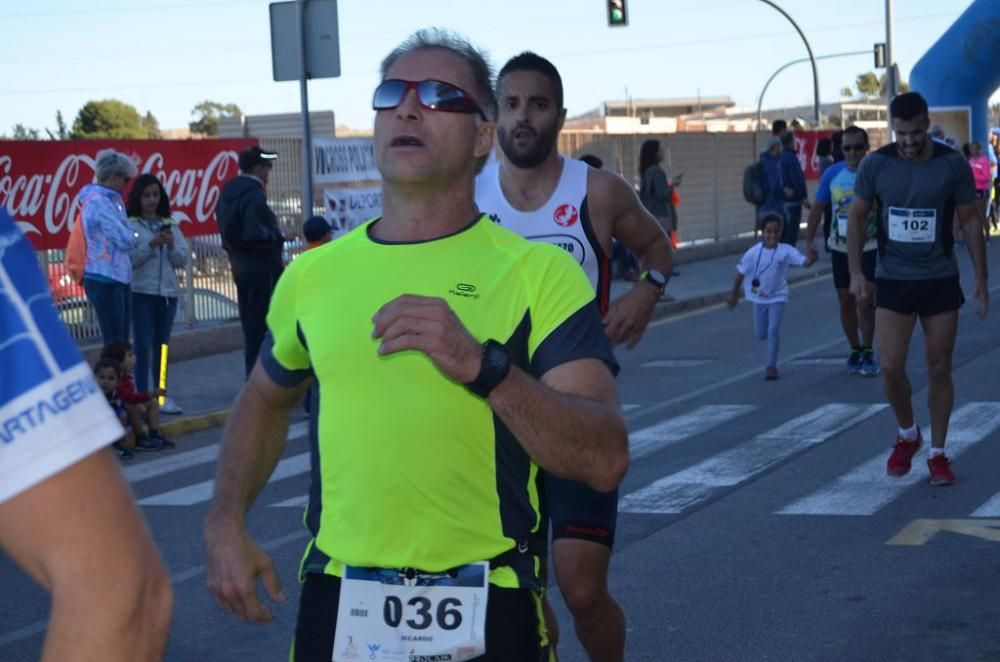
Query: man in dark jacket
[[794, 183], [251, 237]]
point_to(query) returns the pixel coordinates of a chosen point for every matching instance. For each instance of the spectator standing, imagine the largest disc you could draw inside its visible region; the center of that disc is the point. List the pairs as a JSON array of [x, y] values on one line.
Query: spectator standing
[[107, 273], [316, 231], [656, 188], [824, 154], [794, 184], [981, 177], [160, 249], [774, 190], [253, 241]]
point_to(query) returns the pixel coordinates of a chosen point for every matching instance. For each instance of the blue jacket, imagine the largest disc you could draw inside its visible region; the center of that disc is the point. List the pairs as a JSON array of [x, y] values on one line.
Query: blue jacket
[[774, 195], [109, 237], [791, 173]]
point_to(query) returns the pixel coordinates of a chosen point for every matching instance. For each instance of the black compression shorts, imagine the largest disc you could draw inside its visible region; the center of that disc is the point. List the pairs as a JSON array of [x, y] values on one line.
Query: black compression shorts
[[577, 511]]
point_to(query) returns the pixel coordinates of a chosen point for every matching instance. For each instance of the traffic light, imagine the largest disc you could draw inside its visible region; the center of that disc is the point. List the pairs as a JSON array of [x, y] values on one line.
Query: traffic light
[[617, 14]]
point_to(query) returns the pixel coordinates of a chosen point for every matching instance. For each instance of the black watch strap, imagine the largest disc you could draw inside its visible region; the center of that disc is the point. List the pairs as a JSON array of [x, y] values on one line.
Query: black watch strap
[[492, 371]]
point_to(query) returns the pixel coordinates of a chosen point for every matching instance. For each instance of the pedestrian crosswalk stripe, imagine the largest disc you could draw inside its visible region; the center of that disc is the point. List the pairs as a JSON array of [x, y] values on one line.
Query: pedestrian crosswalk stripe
[[294, 502], [989, 509], [866, 489], [677, 429], [169, 463], [202, 492], [679, 491]]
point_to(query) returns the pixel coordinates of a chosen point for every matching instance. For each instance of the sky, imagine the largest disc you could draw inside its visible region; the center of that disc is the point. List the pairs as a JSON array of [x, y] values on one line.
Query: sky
[[165, 56]]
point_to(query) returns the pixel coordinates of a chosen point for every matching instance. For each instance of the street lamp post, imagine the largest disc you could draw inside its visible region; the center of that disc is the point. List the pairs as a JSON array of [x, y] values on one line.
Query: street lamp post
[[811, 58], [760, 99]]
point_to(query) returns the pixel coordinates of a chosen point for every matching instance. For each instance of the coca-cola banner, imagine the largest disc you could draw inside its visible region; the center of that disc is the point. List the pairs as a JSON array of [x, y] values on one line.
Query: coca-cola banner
[[39, 180], [805, 147]]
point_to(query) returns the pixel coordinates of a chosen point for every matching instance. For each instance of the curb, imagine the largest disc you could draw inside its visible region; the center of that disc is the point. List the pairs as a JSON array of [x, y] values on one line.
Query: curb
[[195, 423]]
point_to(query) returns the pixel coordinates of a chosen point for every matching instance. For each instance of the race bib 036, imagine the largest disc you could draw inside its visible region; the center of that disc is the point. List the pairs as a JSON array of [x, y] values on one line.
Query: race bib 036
[[397, 616]]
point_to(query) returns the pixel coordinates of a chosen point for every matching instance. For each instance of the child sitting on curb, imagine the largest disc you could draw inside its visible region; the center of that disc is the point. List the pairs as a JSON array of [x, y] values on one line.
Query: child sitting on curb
[[143, 412], [766, 263], [107, 371]]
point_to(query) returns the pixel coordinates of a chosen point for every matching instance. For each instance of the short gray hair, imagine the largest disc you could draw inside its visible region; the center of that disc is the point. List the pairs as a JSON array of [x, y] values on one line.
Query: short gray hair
[[110, 163], [477, 59]]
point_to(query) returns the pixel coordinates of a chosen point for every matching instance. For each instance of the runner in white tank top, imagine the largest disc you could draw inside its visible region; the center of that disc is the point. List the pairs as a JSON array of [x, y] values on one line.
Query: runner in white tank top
[[539, 194], [563, 220]]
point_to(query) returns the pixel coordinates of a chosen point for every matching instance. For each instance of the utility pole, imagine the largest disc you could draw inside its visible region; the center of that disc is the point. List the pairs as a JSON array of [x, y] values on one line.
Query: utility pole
[[890, 68]]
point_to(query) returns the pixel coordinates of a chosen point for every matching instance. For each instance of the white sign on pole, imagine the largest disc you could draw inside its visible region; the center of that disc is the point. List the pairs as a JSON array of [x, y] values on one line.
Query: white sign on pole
[[339, 160], [322, 40], [347, 208]]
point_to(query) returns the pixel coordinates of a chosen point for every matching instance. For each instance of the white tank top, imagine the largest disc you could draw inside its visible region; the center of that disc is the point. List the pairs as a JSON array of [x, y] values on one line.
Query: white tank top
[[563, 220]]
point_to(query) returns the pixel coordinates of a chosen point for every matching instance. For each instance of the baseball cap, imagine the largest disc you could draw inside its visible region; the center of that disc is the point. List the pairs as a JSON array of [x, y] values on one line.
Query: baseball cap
[[254, 155], [314, 228]]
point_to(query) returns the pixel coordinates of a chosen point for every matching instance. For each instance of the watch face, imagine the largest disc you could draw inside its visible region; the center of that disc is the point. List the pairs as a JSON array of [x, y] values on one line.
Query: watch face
[[656, 277]]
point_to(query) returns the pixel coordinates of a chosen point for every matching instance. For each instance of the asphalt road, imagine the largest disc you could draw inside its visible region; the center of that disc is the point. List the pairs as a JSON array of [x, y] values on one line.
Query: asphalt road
[[757, 521]]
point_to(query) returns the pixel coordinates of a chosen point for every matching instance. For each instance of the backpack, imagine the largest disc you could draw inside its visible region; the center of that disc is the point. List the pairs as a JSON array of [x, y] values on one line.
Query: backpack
[[76, 251], [753, 183]]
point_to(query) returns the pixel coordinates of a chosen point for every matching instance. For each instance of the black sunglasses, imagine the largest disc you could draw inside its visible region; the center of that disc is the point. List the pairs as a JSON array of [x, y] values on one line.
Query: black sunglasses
[[854, 148], [432, 94]]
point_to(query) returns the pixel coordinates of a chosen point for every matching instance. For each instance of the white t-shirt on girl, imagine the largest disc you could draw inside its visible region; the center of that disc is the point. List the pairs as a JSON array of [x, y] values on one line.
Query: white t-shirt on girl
[[768, 266]]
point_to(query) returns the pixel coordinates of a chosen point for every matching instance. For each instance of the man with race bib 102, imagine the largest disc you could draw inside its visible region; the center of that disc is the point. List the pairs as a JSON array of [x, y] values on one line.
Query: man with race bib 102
[[916, 187]]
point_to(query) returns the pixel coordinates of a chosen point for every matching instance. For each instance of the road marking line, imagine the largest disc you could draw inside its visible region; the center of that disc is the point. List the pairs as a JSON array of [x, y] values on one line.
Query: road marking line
[[679, 491], [866, 489], [172, 462], [202, 492], [673, 430], [675, 363], [989, 509], [920, 531], [698, 392], [294, 502]]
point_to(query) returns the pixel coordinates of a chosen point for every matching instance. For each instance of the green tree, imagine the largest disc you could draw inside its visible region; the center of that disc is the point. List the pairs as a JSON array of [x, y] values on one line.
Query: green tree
[[207, 114], [883, 85], [22, 132], [846, 92], [867, 84], [152, 125], [61, 132], [111, 118]]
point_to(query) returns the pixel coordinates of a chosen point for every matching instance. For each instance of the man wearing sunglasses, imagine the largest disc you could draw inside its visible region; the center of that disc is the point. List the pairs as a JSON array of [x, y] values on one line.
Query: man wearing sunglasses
[[452, 359], [548, 198], [836, 188], [919, 186]]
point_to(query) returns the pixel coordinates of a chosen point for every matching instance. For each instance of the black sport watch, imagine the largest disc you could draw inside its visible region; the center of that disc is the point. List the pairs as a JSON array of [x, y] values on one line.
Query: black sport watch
[[655, 277], [492, 371]]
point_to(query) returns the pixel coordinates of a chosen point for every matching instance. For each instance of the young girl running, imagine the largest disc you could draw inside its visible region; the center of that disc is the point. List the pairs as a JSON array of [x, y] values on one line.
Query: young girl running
[[762, 274]]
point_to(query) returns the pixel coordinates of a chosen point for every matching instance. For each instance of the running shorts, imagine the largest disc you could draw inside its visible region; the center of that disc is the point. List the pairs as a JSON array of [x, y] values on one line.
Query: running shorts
[[514, 628], [580, 512], [842, 273], [921, 297]]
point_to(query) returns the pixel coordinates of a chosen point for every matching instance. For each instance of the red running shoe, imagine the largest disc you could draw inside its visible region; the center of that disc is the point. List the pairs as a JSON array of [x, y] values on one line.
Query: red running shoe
[[902, 455], [940, 468]]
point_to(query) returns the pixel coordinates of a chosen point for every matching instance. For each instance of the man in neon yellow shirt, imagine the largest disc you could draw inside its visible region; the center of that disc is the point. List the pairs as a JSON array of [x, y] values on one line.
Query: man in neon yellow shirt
[[452, 359]]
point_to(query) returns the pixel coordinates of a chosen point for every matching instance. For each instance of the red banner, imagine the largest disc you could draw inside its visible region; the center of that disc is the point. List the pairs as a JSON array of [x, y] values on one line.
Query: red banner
[[39, 180], [805, 147]]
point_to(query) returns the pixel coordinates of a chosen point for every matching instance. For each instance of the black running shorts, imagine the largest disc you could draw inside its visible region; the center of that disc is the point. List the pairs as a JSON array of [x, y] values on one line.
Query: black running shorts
[[514, 630], [577, 511], [842, 273], [921, 297]]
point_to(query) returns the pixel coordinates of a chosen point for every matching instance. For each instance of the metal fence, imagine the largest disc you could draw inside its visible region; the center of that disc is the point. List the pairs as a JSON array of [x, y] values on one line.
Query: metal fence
[[711, 208]]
